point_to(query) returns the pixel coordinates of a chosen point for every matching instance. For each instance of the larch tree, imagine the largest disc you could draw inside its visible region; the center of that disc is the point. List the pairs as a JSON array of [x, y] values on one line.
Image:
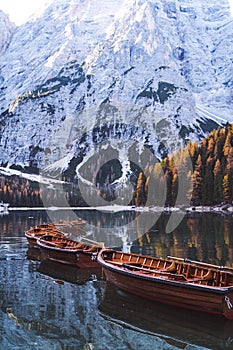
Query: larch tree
[[218, 180], [197, 182], [140, 196], [226, 189]]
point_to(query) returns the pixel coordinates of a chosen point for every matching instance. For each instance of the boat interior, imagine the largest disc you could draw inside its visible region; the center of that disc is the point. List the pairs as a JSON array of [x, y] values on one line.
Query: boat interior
[[172, 268], [38, 232], [63, 243]]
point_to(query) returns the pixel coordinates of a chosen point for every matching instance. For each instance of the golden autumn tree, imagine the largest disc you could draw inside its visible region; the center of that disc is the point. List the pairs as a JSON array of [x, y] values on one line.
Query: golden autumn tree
[[226, 189], [197, 182], [140, 195], [218, 180]]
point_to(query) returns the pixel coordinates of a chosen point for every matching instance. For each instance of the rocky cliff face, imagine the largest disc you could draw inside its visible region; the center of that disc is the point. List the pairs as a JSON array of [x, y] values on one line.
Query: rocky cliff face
[[89, 75], [6, 29]]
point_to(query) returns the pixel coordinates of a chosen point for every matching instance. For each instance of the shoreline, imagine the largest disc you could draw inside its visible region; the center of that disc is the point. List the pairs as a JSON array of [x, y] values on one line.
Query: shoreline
[[224, 209]]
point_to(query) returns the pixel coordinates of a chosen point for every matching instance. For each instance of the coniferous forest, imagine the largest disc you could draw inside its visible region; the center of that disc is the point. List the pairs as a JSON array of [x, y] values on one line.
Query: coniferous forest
[[208, 181]]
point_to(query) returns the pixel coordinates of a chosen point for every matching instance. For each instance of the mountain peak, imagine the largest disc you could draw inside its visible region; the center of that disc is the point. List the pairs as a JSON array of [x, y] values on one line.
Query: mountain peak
[[97, 67]]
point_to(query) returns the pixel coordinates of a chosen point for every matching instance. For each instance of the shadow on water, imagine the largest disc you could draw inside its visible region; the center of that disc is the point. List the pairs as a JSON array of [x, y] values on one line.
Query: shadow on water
[[61, 273], [178, 327]]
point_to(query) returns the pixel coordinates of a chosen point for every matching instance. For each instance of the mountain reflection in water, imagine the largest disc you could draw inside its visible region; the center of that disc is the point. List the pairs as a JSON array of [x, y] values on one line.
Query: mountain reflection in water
[[45, 305]]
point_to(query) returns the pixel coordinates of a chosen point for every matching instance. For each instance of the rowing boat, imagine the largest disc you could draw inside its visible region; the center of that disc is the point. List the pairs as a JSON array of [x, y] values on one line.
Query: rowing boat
[[76, 222], [81, 253], [73, 227], [179, 282], [45, 229]]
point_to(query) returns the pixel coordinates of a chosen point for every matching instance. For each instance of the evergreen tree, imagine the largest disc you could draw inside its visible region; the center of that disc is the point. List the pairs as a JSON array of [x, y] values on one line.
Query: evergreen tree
[[219, 143], [168, 179], [218, 180], [228, 141], [210, 146], [229, 171], [140, 197], [226, 189], [208, 182], [197, 182], [155, 186], [193, 151]]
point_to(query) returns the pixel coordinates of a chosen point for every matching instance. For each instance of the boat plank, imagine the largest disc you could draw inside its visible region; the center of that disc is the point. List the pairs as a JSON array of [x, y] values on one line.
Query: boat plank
[[178, 283]]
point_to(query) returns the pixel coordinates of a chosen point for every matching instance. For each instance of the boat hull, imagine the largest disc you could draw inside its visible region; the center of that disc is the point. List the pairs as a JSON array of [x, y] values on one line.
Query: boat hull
[[32, 241], [77, 258], [179, 296], [202, 298], [33, 236]]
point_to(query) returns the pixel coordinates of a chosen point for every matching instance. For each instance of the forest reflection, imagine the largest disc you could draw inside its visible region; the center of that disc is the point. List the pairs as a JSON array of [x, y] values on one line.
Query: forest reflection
[[52, 306], [199, 236], [204, 237]]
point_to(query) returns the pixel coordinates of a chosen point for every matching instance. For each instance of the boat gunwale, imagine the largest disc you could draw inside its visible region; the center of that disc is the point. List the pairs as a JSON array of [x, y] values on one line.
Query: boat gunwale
[[42, 243], [65, 250], [44, 232], [159, 279]]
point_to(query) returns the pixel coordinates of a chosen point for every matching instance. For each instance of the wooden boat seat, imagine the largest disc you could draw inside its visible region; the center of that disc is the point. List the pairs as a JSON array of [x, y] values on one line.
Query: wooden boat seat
[[71, 247], [171, 268], [209, 276], [56, 244], [80, 245], [143, 269], [223, 279], [90, 249], [174, 271]]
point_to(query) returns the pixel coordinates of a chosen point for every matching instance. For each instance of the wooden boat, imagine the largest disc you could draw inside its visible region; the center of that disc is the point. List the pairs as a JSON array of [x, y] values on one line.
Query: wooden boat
[[178, 282], [76, 222], [62, 272], [73, 227], [50, 226], [81, 253], [36, 232], [185, 329]]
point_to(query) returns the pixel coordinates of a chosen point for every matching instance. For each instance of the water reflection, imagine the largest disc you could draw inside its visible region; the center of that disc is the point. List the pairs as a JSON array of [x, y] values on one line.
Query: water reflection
[[59, 272], [45, 306], [17, 222], [179, 327], [37, 311], [206, 237]]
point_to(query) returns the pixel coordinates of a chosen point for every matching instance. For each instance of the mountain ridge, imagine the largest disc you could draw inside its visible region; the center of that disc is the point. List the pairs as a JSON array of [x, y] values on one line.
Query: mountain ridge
[[78, 69]]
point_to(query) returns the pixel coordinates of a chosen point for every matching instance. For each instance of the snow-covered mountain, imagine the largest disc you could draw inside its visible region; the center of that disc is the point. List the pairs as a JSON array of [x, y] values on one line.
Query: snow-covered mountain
[[85, 75], [6, 30]]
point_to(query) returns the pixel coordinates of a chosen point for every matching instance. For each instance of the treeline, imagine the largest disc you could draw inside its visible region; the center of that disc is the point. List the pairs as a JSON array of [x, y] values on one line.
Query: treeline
[[21, 192], [199, 174]]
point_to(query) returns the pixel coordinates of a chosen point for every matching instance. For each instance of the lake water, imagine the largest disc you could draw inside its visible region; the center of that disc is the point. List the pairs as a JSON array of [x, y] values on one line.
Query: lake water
[[45, 305]]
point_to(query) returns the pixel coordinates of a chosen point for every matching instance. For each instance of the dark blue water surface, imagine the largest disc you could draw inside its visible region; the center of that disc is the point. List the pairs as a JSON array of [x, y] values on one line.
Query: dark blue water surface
[[45, 305]]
